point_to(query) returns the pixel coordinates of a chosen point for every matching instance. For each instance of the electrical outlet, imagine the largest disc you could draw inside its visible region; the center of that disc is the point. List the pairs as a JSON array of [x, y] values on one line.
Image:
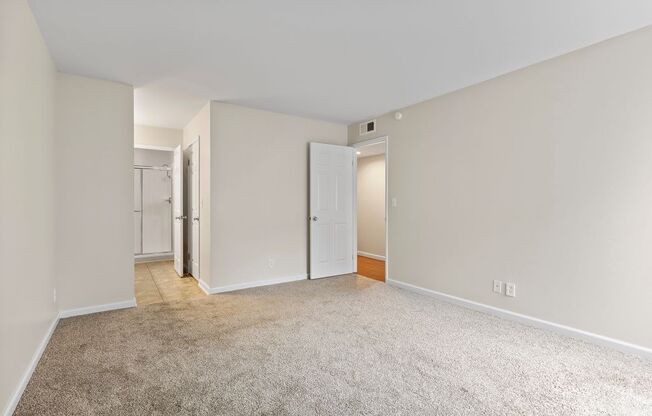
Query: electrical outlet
[[498, 286], [510, 289], [270, 262]]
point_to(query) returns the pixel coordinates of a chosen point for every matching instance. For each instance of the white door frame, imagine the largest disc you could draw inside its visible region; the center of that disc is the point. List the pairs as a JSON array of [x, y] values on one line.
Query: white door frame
[[195, 149], [178, 210], [385, 140]]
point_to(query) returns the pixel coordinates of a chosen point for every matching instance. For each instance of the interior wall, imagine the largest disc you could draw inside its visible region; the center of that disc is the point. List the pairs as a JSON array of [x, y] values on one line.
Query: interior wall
[[542, 177], [95, 194], [371, 205], [27, 87], [259, 178], [148, 157], [199, 128], [157, 136]]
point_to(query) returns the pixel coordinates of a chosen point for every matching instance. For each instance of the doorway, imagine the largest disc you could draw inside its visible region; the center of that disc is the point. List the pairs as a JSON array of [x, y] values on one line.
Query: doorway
[[371, 208], [152, 204], [345, 238], [160, 222]]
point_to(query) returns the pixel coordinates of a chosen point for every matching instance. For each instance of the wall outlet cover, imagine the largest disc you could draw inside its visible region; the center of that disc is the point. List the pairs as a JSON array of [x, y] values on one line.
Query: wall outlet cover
[[498, 286], [510, 289]]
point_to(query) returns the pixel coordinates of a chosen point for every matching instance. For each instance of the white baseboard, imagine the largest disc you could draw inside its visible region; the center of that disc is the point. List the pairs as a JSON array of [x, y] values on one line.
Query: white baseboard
[[248, 285], [371, 255], [146, 258], [203, 286], [15, 398], [98, 308], [529, 320]]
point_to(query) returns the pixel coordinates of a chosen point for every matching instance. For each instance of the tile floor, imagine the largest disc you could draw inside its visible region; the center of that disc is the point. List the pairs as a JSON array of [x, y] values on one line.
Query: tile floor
[[157, 282]]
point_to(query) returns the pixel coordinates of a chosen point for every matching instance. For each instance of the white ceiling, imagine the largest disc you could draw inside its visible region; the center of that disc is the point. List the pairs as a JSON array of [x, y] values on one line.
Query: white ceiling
[[337, 60]]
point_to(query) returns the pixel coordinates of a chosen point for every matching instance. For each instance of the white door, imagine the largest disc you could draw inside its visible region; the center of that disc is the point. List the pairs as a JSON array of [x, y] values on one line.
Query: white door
[[177, 209], [138, 212], [157, 211], [193, 171], [331, 210]]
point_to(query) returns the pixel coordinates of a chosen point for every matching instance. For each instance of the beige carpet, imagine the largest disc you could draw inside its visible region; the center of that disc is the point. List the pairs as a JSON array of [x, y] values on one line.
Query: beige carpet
[[339, 346]]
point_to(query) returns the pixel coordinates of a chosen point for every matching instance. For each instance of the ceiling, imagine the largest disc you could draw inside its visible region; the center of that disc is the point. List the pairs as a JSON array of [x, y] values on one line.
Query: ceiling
[[336, 60]]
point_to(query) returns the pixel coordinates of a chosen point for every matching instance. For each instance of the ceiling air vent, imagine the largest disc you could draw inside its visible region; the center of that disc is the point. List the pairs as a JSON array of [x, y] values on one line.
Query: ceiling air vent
[[367, 127]]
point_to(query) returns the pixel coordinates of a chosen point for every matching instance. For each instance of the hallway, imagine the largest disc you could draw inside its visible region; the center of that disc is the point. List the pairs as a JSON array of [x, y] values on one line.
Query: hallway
[[157, 282]]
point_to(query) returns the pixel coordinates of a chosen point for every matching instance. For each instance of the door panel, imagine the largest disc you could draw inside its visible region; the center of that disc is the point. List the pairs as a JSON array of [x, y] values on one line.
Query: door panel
[[137, 233], [137, 190], [138, 214], [331, 210], [157, 212]]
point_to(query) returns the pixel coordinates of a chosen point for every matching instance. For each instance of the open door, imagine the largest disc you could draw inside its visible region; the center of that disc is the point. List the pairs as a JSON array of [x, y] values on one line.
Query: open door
[[177, 209], [332, 201], [193, 182]]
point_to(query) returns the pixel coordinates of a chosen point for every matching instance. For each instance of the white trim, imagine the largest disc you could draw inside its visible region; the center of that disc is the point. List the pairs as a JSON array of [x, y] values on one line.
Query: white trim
[[370, 142], [529, 320], [354, 213], [13, 401], [147, 258], [98, 308], [247, 285], [203, 286], [153, 147], [371, 255]]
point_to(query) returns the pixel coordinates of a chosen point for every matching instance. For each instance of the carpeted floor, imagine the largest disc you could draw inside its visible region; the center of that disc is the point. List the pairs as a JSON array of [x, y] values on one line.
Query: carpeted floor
[[339, 346]]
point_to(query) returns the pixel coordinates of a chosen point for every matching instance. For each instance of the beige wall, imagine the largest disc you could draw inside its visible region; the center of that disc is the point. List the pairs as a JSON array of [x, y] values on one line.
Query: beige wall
[[199, 128], [259, 178], [542, 177], [371, 205], [157, 136], [94, 171], [27, 82]]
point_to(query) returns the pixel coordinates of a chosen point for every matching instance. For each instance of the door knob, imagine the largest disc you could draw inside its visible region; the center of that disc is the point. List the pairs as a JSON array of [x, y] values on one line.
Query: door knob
[[181, 217], [195, 218], [314, 218]]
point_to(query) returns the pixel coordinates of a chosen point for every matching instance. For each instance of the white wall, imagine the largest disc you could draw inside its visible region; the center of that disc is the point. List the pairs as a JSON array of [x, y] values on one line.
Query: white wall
[[157, 136], [259, 190], [27, 83], [371, 205], [542, 177], [199, 128], [149, 157], [94, 171]]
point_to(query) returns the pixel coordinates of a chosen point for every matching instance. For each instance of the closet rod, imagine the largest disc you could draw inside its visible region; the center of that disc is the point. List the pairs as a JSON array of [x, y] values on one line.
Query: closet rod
[[166, 168]]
